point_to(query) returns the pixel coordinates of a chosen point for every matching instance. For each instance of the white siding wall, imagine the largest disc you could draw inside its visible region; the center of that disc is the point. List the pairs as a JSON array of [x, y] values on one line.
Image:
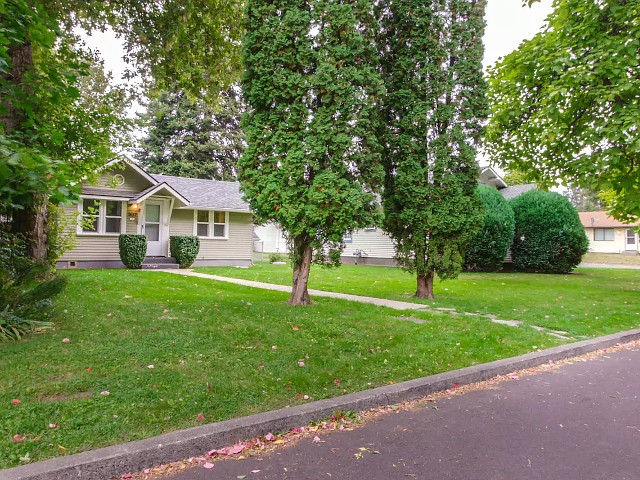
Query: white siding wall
[[272, 239], [376, 244]]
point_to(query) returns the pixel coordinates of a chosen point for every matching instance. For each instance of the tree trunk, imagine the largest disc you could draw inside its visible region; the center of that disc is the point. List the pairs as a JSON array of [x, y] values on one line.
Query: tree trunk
[[31, 221], [425, 286], [301, 268]]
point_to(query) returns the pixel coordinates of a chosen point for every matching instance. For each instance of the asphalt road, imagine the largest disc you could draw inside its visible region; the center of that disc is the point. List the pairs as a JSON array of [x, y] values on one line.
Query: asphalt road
[[581, 421]]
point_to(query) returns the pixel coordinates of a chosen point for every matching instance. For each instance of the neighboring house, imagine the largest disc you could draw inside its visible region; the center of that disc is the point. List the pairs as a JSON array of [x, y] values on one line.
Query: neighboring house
[[270, 239], [607, 235], [127, 199], [373, 245]]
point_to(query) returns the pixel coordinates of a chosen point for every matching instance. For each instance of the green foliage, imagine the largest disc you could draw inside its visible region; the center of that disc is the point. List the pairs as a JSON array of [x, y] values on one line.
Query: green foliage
[[133, 249], [489, 247], [27, 289], [433, 112], [565, 103], [549, 237], [584, 199], [513, 177], [275, 257], [61, 232], [313, 157], [190, 138], [184, 248]]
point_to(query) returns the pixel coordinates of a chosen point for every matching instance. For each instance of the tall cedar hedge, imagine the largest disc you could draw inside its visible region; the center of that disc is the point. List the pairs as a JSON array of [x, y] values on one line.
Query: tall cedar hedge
[[312, 153], [487, 250], [431, 65], [549, 237]]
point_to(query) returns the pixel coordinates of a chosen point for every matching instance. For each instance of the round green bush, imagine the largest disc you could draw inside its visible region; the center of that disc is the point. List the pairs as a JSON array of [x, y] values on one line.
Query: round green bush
[[133, 249], [487, 250], [184, 248], [549, 237]]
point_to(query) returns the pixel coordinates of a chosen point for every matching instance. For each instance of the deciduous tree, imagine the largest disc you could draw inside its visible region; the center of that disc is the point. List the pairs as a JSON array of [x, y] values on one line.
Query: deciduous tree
[[566, 103]]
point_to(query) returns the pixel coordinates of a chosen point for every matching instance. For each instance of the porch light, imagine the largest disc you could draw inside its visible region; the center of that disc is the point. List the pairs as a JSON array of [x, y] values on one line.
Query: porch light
[[135, 206]]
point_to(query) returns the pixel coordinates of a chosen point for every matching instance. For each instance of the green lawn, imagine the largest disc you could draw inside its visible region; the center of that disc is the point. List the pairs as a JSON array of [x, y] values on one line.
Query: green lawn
[[588, 302], [211, 347]]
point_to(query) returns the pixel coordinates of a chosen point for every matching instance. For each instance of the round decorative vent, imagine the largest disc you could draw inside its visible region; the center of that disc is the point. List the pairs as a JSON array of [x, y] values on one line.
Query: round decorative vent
[[118, 180]]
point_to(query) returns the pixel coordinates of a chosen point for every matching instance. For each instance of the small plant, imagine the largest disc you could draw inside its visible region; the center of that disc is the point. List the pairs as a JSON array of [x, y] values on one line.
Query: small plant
[[184, 248], [275, 257], [133, 249]]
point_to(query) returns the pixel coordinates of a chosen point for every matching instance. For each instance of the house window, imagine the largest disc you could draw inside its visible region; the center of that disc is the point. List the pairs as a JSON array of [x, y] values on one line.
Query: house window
[[348, 237], [603, 234], [101, 216], [211, 224]]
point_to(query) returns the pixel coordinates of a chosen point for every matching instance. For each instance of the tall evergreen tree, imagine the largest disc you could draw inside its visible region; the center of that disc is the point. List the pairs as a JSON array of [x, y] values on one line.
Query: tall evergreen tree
[[432, 52], [191, 138], [312, 153]]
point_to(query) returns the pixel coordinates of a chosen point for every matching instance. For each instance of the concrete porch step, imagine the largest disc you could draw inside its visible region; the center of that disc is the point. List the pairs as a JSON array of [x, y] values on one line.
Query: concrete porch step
[[157, 263]]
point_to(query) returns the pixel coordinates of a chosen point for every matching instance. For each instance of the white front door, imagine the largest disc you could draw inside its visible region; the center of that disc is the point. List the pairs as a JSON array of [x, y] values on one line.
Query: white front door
[[153, 228], [631, 239]]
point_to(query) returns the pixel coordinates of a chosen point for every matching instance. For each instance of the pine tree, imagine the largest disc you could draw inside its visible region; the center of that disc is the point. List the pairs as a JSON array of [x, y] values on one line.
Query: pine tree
[[190, 138], [431, 64], [312, 155]]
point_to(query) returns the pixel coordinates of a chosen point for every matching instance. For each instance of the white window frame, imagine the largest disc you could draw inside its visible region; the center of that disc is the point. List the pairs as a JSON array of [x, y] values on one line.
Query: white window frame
[[102, 217], [604, 236], [347, 237], [210, 224]]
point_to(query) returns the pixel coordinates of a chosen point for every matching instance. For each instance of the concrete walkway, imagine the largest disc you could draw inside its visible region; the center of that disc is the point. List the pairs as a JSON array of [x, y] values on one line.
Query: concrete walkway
[[381, 302], [396, 305], [577, 422], [608, 265]]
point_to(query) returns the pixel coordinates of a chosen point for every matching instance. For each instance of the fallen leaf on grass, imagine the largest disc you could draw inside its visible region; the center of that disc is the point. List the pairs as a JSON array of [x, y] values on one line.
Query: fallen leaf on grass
[[200, 416], [54, 425], [15, 401], [65, 340], [105, 393], [19, 438]]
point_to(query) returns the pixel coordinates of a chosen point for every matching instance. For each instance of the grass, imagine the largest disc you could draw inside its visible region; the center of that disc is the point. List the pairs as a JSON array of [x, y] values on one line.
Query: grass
[[211, 346], [612, 258], [588, 302]]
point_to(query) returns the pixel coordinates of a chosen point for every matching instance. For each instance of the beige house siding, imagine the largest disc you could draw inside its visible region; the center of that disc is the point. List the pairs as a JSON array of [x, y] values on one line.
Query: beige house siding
[[238, 246], [133, 183], [374, 244], [618, 245], [94, 247]]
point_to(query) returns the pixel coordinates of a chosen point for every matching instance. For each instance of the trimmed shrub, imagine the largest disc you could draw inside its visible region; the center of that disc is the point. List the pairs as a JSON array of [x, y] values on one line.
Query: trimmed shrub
[[549, 237], [275, 257], [133, 249], [184, 248], [487, 250]]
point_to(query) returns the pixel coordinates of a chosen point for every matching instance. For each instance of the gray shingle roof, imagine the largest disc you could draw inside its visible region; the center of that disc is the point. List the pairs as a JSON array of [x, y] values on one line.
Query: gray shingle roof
[[211, 194], [515, 190]]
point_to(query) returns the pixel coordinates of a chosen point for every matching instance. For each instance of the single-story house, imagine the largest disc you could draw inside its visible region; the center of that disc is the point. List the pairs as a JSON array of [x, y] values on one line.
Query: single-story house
[[372, 245], [127, 199], [607, 235]]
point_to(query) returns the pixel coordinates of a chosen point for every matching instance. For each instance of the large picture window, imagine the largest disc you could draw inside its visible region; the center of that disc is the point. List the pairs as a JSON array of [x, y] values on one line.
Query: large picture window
[[211, 224], [101, 217], [603, 234]]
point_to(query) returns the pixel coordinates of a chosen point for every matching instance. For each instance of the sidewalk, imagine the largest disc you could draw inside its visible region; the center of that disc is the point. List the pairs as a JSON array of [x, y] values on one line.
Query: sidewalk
[[578, 422]]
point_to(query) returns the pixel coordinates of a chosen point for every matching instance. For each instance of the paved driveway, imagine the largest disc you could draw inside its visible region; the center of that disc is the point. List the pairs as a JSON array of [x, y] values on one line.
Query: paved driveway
[[581, 421]]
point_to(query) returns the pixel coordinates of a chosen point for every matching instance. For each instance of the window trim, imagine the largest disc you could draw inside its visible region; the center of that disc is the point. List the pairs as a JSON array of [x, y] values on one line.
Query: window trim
[[604, 239], [102, 217], [210, 224], [347, 237]]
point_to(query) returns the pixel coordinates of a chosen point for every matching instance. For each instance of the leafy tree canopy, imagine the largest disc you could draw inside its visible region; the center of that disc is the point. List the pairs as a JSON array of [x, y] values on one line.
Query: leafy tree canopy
[[566, 103], [190, 138]]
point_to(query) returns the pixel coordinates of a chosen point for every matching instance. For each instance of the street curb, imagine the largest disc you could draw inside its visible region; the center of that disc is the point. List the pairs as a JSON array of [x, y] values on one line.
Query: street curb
[[135, 456]]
